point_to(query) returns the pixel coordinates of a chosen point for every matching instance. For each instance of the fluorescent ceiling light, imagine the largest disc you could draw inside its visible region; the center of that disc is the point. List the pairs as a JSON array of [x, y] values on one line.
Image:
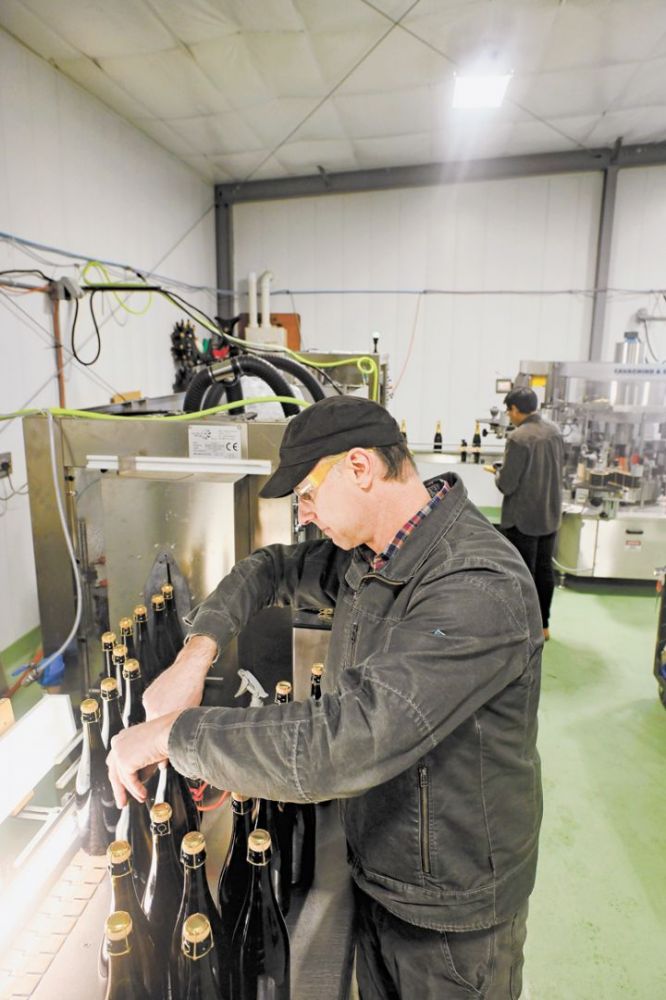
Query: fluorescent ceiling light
[[480, 91]]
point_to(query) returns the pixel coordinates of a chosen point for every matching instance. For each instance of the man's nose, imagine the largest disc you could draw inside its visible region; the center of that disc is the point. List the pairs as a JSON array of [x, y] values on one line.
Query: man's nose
[[305, 512]]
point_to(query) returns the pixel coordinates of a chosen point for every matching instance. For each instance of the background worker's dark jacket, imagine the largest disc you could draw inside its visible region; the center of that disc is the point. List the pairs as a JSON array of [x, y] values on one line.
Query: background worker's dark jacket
[[531, 477], [427, 728]]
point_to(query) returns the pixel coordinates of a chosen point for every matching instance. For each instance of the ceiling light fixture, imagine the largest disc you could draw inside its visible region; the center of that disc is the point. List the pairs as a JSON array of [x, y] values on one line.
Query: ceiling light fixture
[[475, 91]]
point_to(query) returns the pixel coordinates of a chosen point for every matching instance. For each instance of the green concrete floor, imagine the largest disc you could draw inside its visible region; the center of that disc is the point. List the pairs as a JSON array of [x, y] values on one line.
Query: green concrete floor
[[598, 912]]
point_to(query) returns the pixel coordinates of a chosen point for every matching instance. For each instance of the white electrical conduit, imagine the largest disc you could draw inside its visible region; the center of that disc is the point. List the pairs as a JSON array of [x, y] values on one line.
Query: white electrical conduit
[[252, 298], [265, 286], [72, 557]]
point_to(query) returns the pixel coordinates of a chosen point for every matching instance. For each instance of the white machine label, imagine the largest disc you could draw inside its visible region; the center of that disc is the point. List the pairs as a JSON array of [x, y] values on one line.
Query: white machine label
[[633, 543], [222, 442]]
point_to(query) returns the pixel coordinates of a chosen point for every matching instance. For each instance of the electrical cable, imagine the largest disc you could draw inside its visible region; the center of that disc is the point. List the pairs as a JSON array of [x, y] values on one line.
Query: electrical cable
[[38, 670], [58, 411], [410, 345]]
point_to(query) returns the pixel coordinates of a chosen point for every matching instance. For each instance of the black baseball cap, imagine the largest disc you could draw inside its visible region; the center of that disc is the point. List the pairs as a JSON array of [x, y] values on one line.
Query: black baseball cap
[[328, 427]]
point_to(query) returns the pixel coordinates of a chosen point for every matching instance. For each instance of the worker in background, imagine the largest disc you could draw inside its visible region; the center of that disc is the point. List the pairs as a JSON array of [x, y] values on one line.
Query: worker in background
[[530, 478], [426, 731]]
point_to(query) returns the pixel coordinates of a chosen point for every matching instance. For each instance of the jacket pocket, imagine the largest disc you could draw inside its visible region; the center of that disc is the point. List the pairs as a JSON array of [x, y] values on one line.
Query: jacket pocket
[[424, 817]]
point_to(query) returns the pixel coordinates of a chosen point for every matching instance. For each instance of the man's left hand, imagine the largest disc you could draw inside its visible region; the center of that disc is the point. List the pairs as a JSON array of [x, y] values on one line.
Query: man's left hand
[[133, 749]]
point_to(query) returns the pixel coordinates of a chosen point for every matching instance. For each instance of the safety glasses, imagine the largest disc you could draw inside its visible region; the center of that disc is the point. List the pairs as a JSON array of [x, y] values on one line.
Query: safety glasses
[[305, 491]]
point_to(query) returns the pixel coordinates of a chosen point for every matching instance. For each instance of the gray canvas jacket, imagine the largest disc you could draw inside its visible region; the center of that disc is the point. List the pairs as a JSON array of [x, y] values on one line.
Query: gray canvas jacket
[[427, 727], [531, 477]]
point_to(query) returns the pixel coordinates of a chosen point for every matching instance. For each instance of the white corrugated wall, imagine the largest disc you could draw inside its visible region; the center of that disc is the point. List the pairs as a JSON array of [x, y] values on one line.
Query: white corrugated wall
[[74, 175]]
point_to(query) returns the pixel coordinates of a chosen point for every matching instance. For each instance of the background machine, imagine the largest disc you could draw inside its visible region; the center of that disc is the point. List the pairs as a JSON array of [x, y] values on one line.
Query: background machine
[[613, 419]]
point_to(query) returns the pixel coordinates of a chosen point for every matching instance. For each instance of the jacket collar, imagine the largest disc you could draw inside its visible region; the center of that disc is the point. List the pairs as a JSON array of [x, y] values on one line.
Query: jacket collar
[[404, 563]]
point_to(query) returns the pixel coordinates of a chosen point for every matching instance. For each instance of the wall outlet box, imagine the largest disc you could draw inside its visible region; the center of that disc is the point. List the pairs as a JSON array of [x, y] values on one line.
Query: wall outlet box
[[5, 464]]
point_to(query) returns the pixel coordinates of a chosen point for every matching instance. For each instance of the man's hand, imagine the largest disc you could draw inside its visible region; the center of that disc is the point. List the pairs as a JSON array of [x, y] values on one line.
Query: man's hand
[[181, 686], [133, 749]]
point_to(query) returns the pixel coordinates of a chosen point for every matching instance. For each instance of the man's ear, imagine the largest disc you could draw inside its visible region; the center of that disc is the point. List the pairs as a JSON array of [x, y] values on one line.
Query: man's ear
[[360, 460]]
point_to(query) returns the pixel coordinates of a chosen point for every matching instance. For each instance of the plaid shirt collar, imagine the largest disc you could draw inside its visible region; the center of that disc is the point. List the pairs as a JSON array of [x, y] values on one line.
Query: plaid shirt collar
[[379, 561]]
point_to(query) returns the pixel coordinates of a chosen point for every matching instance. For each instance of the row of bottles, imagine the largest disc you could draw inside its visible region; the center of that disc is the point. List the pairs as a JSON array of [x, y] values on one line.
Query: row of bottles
[[154, 652], [465, 449], [144, 865], [180, 948], [437, 441]]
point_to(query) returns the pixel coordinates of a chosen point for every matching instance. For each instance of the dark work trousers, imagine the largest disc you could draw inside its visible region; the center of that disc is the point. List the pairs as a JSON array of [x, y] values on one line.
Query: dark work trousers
[[398, 961], [537, 551]]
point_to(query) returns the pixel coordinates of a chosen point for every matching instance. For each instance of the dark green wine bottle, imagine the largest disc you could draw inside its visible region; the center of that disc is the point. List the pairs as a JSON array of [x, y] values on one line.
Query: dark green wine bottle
[[145, 653], [112, 720], [284, 814], [164, 887], [316, 674], [304, 841], [96, 811], [134, 827], [437, 440], [133, 710], [165, 653], [108, 642], [119, 656], [174, 626], [125, 974], [174, 789], [196, 898], [201, 969], [124, 897], [234, 877], [127, 637], [260, 944]]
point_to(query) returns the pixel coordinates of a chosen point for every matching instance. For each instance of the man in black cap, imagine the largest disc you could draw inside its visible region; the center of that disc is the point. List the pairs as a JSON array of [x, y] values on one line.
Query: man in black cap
[[426, 731]]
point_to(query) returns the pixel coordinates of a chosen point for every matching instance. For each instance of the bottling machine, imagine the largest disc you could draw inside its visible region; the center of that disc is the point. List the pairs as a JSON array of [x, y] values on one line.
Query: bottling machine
[[612, 416]]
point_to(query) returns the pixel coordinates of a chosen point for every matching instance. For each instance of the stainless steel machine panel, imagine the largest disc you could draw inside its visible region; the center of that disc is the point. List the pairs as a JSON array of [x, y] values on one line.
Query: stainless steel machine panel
[[123, 519], [630, 547], [624, 547]]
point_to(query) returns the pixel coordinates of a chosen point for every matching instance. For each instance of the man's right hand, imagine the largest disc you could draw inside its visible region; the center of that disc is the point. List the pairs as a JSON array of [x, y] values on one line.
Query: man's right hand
[[182, 685]]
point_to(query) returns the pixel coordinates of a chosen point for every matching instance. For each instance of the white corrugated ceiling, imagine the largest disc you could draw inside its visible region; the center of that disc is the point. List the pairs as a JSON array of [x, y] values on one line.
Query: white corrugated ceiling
[[256, 89]]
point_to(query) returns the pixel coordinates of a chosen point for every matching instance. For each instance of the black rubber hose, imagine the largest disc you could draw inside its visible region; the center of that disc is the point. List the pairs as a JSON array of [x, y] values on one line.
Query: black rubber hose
[[298, 371], [271, 376], [233, 391], [196, 390]]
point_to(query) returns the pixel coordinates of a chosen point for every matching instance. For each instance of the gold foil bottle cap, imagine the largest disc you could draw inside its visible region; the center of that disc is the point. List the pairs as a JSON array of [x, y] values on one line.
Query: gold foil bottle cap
[[157, 602], [118, 925], [283, 689], [140, 611], [119, 651], [259, 841], [125, 624], [193, 843], [89, 708], [108, 639], [161, 812], [132, 668], [118, 851], [196, 928], [167, 589], [109, 687], [239, 797], [317, 669]]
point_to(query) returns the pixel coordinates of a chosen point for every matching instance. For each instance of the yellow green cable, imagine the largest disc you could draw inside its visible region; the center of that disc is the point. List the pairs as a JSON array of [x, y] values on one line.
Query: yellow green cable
[[60, 411], [121, 302], [366, 365]]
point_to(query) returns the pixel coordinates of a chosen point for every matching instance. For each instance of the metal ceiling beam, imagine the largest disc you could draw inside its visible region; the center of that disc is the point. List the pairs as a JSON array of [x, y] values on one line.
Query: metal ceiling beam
[[422, 175], [602, 266]]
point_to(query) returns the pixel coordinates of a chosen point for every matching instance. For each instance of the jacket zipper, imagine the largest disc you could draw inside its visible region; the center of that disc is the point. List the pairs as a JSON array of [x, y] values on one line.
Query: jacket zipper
[[424, 816]]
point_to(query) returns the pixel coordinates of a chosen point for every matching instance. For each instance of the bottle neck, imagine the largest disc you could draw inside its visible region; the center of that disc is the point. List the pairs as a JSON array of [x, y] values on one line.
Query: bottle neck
[[92, 736], [141, 627], [122, 888], [195, 873]]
